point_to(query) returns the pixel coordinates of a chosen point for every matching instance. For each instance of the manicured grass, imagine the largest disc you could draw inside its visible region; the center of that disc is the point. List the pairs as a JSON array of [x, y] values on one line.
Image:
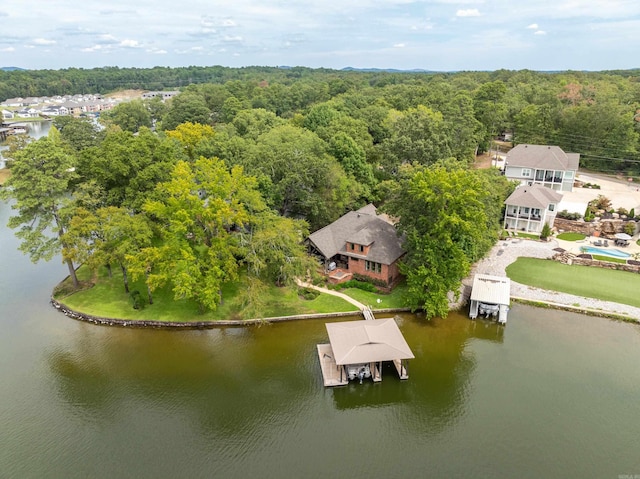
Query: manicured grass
[[528, 236], [107, 298], [610, 259], [395, 299], [571, 236], [608, 285]]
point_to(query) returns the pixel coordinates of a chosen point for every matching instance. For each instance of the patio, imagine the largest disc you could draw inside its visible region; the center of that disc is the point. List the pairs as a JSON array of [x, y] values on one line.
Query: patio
[[630, 246]]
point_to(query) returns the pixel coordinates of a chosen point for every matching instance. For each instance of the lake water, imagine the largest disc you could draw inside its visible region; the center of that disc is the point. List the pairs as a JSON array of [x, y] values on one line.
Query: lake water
[[551, 395], [35, 129]]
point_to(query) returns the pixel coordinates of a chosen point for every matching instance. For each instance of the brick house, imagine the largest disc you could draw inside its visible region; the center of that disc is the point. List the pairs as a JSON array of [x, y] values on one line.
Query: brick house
[[360, 242]]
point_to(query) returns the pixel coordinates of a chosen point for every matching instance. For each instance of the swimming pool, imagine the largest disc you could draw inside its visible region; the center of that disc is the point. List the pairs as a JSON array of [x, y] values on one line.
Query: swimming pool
[[615, 253]]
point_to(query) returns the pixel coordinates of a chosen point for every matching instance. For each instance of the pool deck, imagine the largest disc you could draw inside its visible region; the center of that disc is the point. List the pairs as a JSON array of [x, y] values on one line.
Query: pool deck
[[574, 246]]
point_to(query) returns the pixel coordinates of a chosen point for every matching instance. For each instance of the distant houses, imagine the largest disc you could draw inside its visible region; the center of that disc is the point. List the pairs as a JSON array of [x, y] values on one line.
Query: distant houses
[[76, 105]]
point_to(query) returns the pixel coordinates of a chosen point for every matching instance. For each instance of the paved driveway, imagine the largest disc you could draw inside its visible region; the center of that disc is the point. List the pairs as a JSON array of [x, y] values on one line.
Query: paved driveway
[[622, 194]]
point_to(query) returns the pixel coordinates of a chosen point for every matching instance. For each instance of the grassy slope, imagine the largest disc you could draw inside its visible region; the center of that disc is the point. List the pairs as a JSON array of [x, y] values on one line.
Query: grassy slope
[[107, 298], [393, 300], [609, 285]]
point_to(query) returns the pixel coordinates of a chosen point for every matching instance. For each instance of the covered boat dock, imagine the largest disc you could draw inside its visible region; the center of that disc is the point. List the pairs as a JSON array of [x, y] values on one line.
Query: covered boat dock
[[490, 296], [358, 348]]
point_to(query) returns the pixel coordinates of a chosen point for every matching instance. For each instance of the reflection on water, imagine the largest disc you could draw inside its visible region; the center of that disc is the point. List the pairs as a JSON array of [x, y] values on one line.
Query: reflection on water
[[552, 394]]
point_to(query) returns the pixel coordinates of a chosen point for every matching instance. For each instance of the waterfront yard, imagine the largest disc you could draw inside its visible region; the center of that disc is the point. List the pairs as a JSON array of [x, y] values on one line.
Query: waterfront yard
[[591, 282], [107, 298]]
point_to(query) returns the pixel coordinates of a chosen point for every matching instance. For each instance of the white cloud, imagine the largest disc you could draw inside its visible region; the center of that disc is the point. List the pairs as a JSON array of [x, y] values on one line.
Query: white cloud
[[469, 12], [533, 26], [43, 41], [540, 32], [130, 43], [108, 38], [8, 49], [399, 45], [94, 48]]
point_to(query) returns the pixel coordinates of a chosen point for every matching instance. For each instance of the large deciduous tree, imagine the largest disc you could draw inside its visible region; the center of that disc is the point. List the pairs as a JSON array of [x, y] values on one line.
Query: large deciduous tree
[[443, 216], [418, 135], [40, 184], [130, 116], [304, 180], [106, 237], [188, 106], [200, 209]]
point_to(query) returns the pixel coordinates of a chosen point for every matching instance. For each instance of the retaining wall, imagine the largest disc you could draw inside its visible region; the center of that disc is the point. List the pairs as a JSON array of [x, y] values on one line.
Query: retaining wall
[[133, 323]]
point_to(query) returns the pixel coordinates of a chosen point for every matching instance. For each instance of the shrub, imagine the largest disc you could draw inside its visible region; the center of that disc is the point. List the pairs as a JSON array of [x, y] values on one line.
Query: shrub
[[622, 211], [602, 203], [136, 299], [588, 214], [632, 213], [564, 214], [367, 279], [629, 228], [546, 231], [354, 283], [308, 293]]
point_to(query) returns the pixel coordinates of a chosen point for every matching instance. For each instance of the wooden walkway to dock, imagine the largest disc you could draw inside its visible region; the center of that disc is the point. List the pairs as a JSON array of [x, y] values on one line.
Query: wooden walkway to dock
[[367, 313]]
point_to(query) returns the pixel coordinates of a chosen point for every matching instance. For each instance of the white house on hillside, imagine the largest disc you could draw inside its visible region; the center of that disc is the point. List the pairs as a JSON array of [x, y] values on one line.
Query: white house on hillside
[[528, 208], [548, 166]]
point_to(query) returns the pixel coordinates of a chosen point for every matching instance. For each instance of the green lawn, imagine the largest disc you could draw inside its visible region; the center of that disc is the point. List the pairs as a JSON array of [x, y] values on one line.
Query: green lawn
[[571, 236], [107, 298], [395, 299], [609, 285]]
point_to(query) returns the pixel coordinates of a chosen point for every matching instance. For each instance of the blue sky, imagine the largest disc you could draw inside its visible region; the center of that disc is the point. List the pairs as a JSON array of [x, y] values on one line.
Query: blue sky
[[440, 35]]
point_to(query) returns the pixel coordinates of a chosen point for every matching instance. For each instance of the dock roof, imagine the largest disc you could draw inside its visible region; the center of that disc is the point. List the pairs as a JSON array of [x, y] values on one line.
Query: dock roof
[[491, 289], [356, 342]]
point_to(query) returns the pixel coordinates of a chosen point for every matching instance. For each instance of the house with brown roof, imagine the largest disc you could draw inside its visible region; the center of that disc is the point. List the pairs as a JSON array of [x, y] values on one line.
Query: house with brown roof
[[528, 208], [360, 242], [548, 166]]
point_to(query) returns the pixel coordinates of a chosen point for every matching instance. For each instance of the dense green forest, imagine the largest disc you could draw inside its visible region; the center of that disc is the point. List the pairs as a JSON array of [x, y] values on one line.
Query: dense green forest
[[591, 113], [222, 182]]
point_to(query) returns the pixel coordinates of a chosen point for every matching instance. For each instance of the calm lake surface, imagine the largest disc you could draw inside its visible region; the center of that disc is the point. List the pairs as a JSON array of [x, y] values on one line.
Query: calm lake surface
[[551, 395]]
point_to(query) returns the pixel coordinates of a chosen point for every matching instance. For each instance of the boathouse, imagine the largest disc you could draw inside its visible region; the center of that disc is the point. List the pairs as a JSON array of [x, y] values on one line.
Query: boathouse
[[358, 348], [490, 296]]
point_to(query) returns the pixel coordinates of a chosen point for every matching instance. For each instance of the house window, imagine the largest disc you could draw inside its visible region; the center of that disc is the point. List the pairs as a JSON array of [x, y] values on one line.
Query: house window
[[526, 172], [557, 177], [361, 248], [373, 266], [353, 246], [552, 207]]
